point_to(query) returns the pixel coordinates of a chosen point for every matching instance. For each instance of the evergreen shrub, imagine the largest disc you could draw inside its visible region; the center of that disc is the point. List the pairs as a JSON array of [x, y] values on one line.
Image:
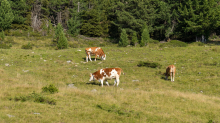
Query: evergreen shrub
[[2, 35], [62, 41], [123, 41], [134, 39]]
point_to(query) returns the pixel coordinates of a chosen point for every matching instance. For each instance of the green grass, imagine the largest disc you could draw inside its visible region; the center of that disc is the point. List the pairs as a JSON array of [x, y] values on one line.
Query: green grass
[[142, 96]]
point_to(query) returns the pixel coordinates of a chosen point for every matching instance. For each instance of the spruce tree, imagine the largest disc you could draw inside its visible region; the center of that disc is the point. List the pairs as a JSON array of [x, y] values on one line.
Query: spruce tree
[[73, 26], [134, 39], [58, 31], [62, 42], [123, 42], [91, 25], [60, 37], [2, 35], [145, 36], [198, 18], [6, 15]]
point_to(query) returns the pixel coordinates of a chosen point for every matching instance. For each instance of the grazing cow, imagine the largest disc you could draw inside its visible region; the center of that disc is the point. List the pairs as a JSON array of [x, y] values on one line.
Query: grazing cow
[[170, 71], [97, 51], [106, 74]]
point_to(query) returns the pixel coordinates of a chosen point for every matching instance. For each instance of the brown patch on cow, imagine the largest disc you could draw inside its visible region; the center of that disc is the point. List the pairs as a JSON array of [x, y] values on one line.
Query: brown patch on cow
[[97, 51], [107, 72]]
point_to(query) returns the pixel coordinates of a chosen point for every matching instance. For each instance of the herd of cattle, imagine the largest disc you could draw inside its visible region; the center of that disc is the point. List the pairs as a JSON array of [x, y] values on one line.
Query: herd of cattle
[[114, 73]]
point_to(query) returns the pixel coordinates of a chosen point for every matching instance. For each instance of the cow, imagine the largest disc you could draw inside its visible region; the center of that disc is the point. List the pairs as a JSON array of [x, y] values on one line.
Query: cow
[[170, 71], [106, 74], [97, 51]]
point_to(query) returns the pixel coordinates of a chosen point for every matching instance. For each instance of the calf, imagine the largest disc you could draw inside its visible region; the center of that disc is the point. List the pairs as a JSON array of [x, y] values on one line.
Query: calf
[[170, 71], [106, 74], [97, 51]]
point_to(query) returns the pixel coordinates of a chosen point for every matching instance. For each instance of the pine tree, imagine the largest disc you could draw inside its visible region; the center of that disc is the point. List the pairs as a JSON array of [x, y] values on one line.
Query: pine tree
[[145, 36], [20, 11], [60, 37], [2, 35], [62, 42], [73, 26], [58, 31], [123, 42], [6, 15], [198, 18], [91, 25], [134, 39]]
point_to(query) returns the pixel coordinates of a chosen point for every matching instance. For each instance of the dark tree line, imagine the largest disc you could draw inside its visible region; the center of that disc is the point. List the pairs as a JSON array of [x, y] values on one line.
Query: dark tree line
[[187, 20]]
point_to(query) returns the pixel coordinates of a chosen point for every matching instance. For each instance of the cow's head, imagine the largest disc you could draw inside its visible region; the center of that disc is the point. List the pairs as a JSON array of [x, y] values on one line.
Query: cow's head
[[92, 78], [104, 57]]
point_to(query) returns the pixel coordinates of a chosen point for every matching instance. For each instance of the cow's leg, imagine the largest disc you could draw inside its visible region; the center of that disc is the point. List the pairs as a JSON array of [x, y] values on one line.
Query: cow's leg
[[86, 58], [117, 79], [101, 82], [107, 83], [171, 76], [115, 82], [95, 56], [166, 77], [90, 57]]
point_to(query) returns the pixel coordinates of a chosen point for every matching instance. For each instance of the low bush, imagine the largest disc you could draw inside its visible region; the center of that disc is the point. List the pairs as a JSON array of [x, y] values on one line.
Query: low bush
[[51, 89], [149, 64], [154, 41], [197, 44], [9, 39], [39, 98], [174, 43], [4, 46], [27, 46]]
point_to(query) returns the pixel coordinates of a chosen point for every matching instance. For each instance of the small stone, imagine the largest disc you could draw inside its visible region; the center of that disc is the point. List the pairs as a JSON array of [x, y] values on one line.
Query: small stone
[[6, 64], [10, 116], [36, 113], [94, 90], [135, 80]]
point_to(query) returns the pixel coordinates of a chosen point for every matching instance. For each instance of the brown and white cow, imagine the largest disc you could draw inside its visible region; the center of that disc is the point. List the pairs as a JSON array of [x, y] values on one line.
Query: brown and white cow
[[170, 71], [97, 51], [106, 74]]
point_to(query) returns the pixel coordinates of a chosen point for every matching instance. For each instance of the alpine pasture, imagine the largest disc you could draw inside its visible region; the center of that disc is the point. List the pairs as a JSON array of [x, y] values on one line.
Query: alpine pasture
[[143, 94]]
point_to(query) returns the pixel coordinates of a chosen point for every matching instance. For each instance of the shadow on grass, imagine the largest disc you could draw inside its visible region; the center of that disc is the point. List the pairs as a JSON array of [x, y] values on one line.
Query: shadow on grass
[[93, 59], [164, 78], [93, 83], [96, 83]]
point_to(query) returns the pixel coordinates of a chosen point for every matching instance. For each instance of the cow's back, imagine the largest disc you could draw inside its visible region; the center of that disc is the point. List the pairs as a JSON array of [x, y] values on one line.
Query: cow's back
[[170, 68], [90, 49], [109, 70]]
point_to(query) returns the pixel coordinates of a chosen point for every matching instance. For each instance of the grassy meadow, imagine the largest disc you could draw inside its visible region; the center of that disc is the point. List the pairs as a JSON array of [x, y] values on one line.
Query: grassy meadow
[[143, 94]]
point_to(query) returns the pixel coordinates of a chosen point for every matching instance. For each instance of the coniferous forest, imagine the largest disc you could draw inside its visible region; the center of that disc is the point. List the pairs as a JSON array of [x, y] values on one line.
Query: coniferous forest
[[185, 20]]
